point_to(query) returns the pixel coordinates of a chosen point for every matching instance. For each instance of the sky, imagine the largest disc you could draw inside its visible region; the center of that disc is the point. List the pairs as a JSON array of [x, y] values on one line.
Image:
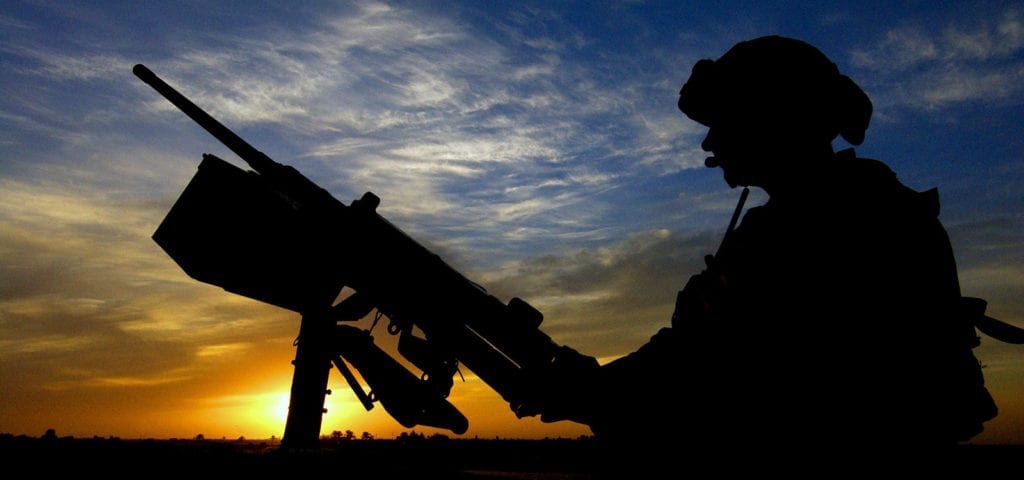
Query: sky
[[536, 146]]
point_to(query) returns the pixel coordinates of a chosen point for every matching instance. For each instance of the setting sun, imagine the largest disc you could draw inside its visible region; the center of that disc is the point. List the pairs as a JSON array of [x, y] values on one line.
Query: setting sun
[[253, 415], [270, 410]]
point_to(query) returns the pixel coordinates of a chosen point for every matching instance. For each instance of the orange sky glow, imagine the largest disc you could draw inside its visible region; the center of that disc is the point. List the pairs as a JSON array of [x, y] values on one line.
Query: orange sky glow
[[535, 146]]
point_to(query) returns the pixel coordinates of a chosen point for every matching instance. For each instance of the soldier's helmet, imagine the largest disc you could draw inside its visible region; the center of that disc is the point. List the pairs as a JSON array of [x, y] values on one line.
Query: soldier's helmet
[[783, 81]]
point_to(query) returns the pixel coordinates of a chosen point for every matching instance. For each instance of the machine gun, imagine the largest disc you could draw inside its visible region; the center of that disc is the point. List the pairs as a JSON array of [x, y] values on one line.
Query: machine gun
[[273, 235]]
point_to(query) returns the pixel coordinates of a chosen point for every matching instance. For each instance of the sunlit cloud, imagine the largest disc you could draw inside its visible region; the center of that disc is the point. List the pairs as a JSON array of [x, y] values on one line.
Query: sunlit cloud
[[230, 349], [44, 343], [137, 382], [626, 290]]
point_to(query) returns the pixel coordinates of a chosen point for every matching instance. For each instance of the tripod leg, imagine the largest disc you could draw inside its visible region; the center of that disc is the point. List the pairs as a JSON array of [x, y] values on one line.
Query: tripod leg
[[312, 362]]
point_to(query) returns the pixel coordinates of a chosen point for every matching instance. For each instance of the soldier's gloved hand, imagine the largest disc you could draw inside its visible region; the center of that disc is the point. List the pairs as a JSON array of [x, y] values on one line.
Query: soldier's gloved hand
[[562, 390], [702, 296], [691, 302]]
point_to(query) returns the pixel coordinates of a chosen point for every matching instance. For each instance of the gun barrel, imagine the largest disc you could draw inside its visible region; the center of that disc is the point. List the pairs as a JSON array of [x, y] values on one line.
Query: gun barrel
[[255, 158]]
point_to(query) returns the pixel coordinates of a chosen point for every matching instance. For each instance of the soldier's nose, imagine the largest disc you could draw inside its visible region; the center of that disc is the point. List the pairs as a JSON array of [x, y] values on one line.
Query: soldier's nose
[[708, 145]]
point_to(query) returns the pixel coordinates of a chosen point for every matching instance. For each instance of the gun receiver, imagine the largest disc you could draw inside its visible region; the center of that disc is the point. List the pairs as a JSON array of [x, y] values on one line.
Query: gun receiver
[[275, 236]]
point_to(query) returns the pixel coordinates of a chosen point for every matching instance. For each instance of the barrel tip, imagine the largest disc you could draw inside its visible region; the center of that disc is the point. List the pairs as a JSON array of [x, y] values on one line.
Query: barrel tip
[[140, 69]]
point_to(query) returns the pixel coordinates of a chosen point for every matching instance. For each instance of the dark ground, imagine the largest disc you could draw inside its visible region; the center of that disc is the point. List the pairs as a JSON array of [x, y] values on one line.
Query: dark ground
[[555, 459], [369, 459]]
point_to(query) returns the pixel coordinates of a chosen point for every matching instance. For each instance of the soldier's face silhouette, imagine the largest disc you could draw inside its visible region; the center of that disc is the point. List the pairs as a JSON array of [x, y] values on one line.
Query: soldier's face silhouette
[[758, 144], [744, 148], [773, 106]]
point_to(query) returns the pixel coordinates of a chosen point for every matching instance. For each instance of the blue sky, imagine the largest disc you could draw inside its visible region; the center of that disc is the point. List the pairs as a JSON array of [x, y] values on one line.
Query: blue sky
[[535, 145]]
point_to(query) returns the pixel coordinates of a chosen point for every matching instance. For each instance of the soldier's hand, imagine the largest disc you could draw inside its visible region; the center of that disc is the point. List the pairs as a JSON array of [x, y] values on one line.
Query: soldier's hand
[[701, 297], [562, 389]]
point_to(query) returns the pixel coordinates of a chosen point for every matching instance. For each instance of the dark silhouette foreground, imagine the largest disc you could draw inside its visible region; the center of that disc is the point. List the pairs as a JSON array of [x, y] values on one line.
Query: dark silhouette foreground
[[559, 459], [831, 318], [829, 322]]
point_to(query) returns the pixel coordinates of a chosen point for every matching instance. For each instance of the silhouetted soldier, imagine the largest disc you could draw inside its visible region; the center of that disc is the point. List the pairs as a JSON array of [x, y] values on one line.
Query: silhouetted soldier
[[829, 318]]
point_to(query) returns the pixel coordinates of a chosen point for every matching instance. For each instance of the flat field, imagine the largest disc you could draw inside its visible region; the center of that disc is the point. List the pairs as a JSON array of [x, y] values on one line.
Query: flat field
[[554, 459]]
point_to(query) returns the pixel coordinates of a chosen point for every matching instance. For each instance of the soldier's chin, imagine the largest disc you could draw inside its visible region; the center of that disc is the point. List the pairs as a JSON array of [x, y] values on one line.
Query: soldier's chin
[[731, 180]]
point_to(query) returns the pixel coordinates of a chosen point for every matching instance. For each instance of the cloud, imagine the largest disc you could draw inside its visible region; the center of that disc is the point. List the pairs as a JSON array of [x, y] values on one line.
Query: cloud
[[443, 121], [606, 301], [429, 117], [921, 68], [87, 299], [988, 249], [487, 153], [7, 21], [62, 66], [227, 349]]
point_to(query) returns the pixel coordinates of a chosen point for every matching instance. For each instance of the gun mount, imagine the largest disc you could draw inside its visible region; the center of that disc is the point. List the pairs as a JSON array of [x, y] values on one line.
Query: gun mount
[[273, 235]]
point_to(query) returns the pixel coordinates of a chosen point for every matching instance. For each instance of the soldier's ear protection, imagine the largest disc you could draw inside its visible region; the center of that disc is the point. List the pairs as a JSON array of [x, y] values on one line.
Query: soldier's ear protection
[[851, 110]]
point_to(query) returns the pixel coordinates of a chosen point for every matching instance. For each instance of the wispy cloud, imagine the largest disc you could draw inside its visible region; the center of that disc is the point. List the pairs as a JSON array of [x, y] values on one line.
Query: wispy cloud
[[465, 138], [927, 69], [84, 292], [431, 115], [590, 296], [988, 250]]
